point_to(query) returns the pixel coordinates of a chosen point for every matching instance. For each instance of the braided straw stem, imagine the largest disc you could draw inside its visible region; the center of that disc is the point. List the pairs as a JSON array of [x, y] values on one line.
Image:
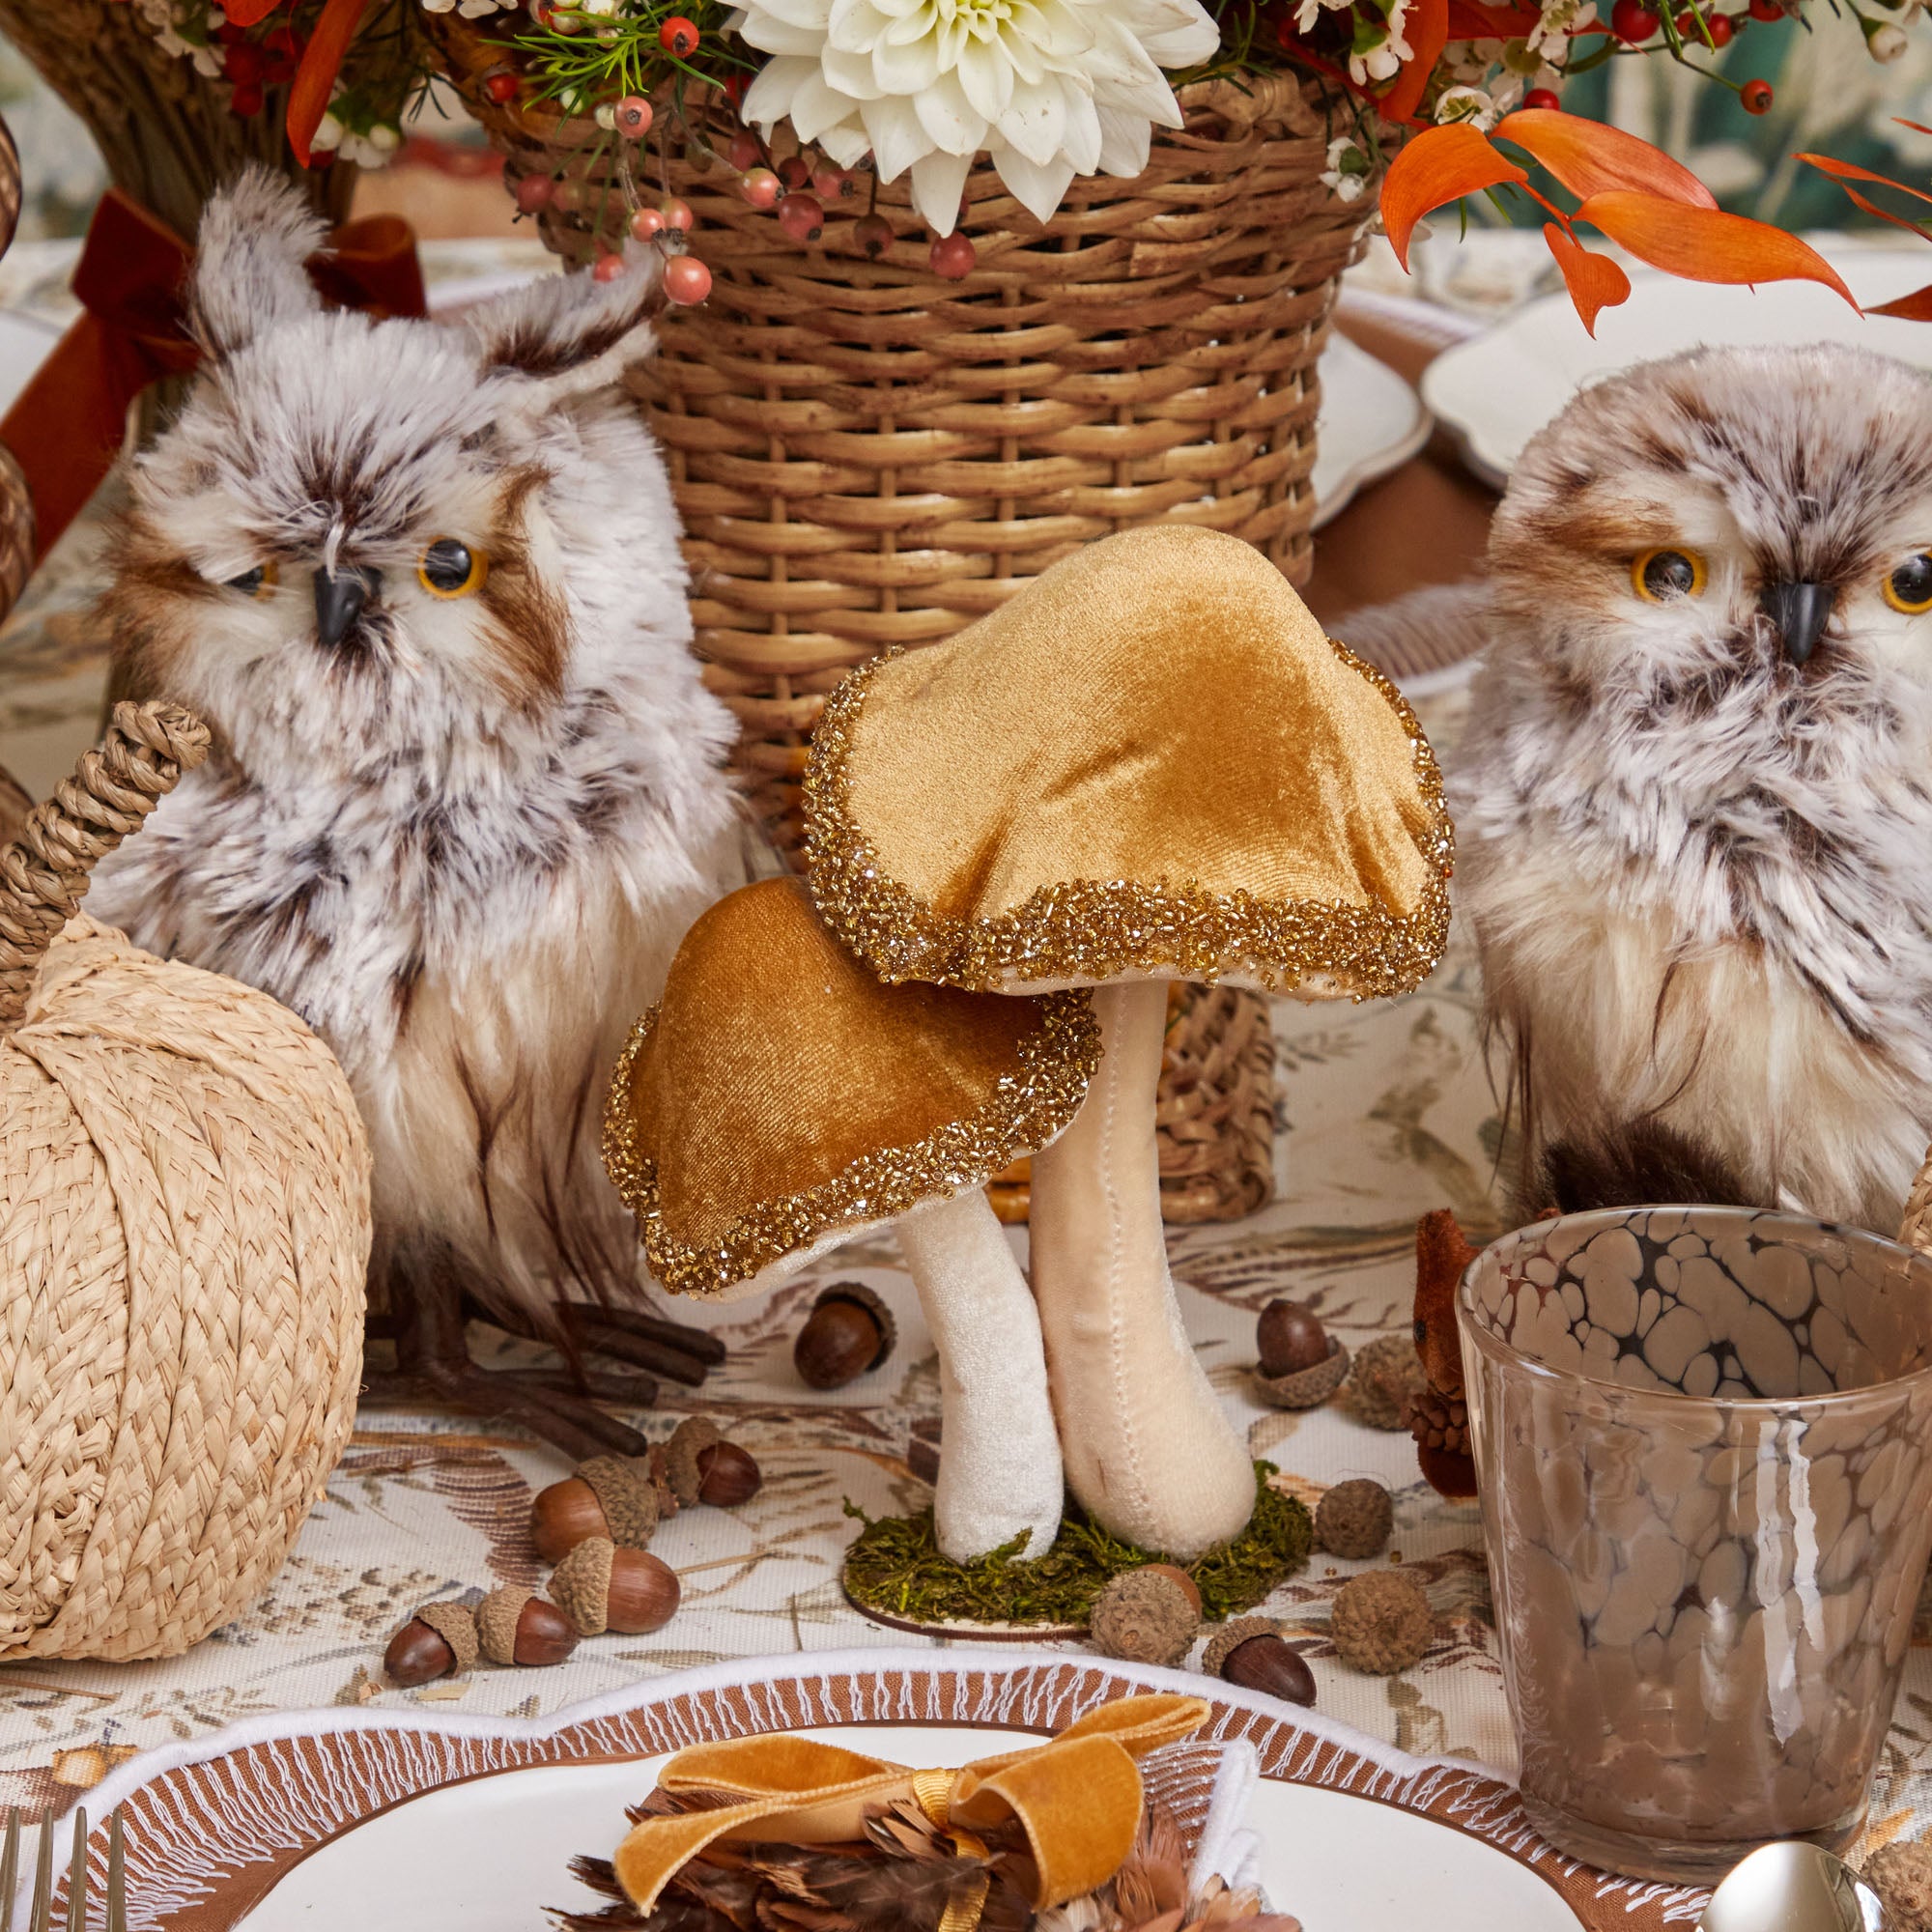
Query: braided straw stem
[[43, 873]]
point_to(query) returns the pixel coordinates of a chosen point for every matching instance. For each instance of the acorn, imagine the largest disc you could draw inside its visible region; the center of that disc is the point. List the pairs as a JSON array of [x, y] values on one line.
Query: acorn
[[608, 1495], [726, 1475], [600, 1587], [680, 1470], [1354, 1518], [1250, 1652], [1388, 1374], [1145, 1616], [517, 1625], [1290, 1338], [848, 1333], [1382, 1622], [438, 1642]]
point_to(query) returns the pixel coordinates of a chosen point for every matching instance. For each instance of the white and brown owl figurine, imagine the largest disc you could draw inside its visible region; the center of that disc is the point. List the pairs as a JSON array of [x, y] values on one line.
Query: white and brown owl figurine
[[1694, 802], [424, 584]]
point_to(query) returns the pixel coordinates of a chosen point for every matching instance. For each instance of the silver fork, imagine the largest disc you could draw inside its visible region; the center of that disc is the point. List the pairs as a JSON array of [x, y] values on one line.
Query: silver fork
[[39, 1917]]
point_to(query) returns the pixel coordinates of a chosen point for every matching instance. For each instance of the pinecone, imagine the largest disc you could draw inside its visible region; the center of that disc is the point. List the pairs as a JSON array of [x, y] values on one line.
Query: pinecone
[[1439, 1421]]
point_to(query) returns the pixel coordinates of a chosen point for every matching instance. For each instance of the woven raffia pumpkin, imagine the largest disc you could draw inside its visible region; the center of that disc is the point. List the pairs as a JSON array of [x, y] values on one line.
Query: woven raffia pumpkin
[[185, 1201]]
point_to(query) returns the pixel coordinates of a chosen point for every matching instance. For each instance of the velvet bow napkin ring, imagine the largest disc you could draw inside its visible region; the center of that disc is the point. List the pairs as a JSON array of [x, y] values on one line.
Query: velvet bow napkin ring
[[1076, 1797]]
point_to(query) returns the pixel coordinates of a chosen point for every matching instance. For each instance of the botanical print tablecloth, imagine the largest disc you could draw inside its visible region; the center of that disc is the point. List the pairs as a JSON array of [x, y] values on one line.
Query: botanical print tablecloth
[[1384, 1112]]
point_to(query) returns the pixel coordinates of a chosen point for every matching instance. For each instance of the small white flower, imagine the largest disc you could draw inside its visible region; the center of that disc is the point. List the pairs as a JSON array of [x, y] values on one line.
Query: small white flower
[[1559, 19], [329, 134], [1470, 104], [438, 6], [1885, 41], [1347, 172], [1048, 89]]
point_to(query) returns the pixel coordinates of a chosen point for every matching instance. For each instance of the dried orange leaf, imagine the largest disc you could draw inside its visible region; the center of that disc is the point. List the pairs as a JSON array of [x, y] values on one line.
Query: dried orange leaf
[[1425, 28], [1439, 165], [1590, 158], [1705, 245], [1844, 171], [1915, 307], [1595, 282], [314, 78]]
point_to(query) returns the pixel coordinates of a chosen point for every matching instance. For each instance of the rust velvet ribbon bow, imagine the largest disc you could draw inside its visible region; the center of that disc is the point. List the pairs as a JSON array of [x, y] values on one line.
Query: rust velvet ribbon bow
[[1077, 1798], [64, 429]]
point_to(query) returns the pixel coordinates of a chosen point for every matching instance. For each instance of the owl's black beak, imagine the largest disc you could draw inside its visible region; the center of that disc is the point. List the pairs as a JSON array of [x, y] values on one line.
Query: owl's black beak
[[339, 602], [1801, 613]]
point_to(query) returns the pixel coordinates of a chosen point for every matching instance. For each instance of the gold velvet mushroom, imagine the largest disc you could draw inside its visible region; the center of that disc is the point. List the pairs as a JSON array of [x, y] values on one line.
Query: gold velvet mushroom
[[1149, 765], [780, 1100]]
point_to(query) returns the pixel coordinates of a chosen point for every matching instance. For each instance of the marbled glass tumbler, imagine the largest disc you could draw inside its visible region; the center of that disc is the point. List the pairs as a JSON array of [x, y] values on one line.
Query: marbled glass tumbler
[[1704, 1442]]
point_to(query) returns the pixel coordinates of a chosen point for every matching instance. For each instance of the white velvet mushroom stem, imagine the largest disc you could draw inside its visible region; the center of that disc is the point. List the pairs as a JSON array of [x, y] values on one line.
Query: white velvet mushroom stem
[[1151, 1453], [999, 1453]]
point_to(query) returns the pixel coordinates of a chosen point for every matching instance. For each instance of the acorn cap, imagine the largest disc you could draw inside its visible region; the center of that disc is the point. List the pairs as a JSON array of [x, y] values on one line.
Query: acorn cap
[[628, 1497], [874, 1305], [1231, 1637], [1224, 793], [580, 1586], [1143, 1616], [1306, 1388], [496, 1621], [1354, 1518], [689, 1440], [1388, 1371], [456, 1624], [780, 1100], [1382, 1622]]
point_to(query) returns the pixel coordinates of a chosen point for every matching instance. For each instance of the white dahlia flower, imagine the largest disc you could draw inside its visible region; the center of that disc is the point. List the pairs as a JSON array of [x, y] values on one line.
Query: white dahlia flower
[[1048, 87]]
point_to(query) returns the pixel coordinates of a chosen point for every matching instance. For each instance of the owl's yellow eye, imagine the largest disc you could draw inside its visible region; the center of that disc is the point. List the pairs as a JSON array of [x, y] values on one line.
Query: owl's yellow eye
[[452, 569], [1663, 575], [256, 583], [1908, 587]]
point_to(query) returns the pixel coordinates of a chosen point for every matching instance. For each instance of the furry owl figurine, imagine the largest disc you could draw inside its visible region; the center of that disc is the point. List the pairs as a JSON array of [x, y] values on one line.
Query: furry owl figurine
[[424, 584], [1694, 802]]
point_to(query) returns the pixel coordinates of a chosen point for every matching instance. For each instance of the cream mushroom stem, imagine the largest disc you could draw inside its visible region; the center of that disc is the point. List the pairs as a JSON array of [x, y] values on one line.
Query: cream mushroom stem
[[999, 1462], [1150, 1453]]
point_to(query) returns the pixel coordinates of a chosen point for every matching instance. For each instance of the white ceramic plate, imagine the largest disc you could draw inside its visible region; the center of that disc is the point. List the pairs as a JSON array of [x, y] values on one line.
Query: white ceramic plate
[[1496, 391], [1371, 422], [491, 1855]]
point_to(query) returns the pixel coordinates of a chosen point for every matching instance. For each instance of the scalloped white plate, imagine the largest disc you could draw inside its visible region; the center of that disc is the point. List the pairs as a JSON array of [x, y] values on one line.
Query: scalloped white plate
[[1371, 422], [492, 1855], [1498, 389]]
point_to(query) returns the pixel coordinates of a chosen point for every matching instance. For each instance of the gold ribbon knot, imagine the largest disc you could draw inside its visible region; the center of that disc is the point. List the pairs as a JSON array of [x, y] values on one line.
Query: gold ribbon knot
[[1077, 1798]]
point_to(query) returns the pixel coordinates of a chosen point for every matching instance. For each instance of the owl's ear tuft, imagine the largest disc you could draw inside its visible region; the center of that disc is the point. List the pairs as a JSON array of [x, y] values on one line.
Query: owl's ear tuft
[[250, 273], [566, 334]]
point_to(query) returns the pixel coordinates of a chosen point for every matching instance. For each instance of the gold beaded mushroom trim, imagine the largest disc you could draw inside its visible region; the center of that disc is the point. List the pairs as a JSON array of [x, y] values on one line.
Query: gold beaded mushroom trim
[[1090, 931], [1028, 1109]]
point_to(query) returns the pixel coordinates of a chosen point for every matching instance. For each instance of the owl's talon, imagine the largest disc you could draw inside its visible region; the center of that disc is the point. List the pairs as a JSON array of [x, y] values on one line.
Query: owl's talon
[[699, 1342]]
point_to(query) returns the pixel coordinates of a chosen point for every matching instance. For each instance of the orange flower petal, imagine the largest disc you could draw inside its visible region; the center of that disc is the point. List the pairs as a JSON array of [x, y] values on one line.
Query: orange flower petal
[[245, 13], [1425, 28], [314, 78], [1590, 158], [1595, 282], [1705, 245], [1439, 165]]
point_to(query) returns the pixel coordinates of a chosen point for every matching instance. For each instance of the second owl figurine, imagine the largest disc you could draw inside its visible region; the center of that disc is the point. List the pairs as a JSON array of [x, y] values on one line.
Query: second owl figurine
[[424, 583], [1694, 802]]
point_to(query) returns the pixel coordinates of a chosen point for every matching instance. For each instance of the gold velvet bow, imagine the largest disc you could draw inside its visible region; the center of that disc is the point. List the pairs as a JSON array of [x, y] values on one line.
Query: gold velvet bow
[[1077, 1798]]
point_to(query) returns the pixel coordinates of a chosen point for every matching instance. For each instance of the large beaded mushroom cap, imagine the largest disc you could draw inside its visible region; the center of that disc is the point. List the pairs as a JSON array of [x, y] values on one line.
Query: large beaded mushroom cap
[[779, 1099], [1149, 763]]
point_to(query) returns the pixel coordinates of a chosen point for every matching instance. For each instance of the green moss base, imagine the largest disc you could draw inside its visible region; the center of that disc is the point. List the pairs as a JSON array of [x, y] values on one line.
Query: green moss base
[[895, 1568]]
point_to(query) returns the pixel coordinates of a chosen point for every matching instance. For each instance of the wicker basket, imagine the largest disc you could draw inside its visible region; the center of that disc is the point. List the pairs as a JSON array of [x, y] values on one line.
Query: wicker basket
[[868, 456]]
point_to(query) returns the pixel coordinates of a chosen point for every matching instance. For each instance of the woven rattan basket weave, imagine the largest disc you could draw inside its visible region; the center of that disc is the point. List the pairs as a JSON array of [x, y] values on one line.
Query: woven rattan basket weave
[[184, 1185], [865, 455]]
